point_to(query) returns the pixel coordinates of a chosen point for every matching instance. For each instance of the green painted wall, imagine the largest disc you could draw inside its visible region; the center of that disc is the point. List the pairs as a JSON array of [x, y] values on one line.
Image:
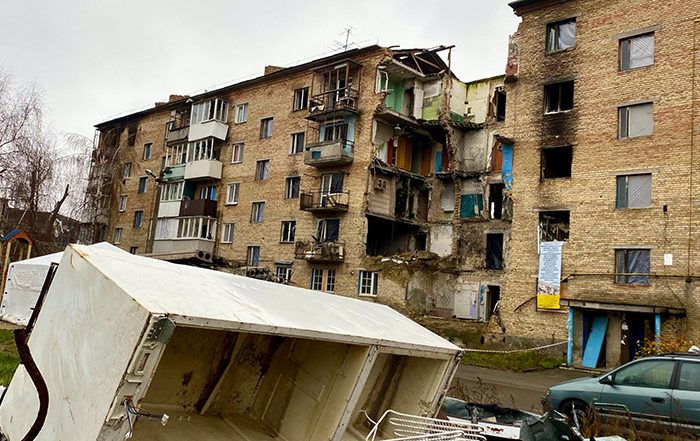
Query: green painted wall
[[394, 100], [431, 108]]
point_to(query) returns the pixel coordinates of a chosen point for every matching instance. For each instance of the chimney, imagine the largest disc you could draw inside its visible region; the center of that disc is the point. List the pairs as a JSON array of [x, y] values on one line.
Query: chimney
[[272, 69]]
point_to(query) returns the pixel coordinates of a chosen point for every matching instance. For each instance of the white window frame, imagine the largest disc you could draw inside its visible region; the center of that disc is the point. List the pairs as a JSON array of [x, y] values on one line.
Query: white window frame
[[227, 232], [624, 114], [316, 283], [373, 278], [266, 123], [122, 202], [289, 188], [291, 231], [117, 235], [250, 253], [172, 191], [237, 150], [293, 143], [329, 288], [285, 270], [257, 212], [126, 171], [241, 115], [262, 173], [201, 150], [193, 227], [301, 99], [210, 110], [382, 81], [176, 154], [207, 191], [232, 198], [147, 148]]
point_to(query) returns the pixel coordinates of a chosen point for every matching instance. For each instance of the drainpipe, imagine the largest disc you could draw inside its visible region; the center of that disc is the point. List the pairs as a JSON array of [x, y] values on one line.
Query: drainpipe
[[657, 329], [570, 341]]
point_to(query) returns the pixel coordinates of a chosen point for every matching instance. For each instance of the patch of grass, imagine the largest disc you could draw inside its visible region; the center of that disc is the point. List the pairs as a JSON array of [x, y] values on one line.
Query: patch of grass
[[9, 360], [519, 361]]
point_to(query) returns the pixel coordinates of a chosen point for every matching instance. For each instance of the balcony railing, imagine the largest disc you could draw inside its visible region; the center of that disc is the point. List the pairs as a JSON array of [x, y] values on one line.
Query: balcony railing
[[203, 169], [177, 131], [328, 252], [336, 102], [198, 207], [333, 153], [318, 201]]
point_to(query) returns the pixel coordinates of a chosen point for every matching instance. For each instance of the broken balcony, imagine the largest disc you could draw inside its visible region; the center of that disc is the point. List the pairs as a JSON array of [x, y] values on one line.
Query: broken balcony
[[332, 153], [336, 103], [320, 252], [177, 131], [323, 202]]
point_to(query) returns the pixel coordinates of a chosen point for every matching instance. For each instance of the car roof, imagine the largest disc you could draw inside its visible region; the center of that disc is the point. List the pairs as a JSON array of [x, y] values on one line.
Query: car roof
[[689, 355]]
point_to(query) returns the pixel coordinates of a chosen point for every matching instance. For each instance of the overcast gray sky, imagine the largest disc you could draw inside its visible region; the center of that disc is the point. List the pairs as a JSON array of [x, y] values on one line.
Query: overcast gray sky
[[98, 58]]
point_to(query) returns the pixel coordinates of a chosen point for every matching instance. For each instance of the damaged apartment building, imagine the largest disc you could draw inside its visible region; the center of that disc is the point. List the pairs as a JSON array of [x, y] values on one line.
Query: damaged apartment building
[[603, 122], [373, 173]]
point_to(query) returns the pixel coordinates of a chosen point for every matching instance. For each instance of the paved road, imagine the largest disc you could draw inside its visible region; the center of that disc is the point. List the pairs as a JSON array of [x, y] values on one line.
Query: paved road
[[512, 389]]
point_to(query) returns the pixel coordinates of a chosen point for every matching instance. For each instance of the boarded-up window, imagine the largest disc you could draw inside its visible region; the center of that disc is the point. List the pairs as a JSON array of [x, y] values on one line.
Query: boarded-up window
[[637, 51], [635, 120], [632, 266], [634, 191]]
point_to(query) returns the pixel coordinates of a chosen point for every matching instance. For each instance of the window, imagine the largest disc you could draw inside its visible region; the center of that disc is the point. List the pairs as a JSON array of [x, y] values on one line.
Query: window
[[555, 162], [176, 154], [301, 99], [689, 376], [637, 51], [117, 236], [257, 215], [262, 170], [559, 97], [241, 113], [138, 218], [196, 228], [635, 120], [253, 256], [283, 272], [297, 144], [634, 191], [335, 130], [237, 153], [561, 35], [134, 250], [332, 183], [147, 151], [202, 150], [172, 191], [266, 128], [215, 109], [208, 192], [382, 81], [143, 184], [227, 232], [632, 266], [323, 279], [554, 225], [367, 284], [126, 172], [328, 230], [500, 101], [495, 201], [122, 202], [288, 231], [291, 187], [494, 251], [652, 373], [232, 193]]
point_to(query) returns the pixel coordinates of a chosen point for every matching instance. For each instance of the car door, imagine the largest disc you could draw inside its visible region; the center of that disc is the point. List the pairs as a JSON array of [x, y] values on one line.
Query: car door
[[685, 405], [644, 387]]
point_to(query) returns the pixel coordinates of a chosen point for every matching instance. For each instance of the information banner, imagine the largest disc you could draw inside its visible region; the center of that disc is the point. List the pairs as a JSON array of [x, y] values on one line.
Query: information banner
[[549, 278]]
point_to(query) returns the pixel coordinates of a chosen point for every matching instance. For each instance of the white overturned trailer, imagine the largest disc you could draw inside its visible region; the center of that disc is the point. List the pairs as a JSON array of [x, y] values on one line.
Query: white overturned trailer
[[121, 340]]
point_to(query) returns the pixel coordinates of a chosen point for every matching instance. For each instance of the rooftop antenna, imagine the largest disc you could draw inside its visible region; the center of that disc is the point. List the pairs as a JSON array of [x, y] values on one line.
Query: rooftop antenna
[[339, 44]]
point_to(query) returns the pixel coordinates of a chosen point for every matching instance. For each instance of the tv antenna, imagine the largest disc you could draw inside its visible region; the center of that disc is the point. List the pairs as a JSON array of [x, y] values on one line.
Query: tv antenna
[[343, 45]]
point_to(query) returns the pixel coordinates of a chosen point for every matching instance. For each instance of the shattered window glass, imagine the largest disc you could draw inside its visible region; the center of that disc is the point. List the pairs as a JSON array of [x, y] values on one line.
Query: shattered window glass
[[561, 35]]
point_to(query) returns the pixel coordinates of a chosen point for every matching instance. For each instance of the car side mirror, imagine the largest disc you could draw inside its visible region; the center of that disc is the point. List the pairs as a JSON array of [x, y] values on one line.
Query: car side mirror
[[606, 380]]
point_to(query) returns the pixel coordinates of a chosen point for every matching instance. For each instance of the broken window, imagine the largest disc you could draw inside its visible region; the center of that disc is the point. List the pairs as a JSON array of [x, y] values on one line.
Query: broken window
[[297, 144], [632, 266], [291, 187], [301, 99], [253, 256], [494, 250], [554, 225], [283, 272], [496, 158], [559, 97], [496, 201], [266, 128], [500, 99], [471, 202], [257, 214], [262, 170], [555, 162], [138, 218], [493, 296], [328, 230], [447, 197], [561, 35], [288, 231], [635, 120], [637, 51], [126, 171], [122, 202], [117, 237], [634, 191]]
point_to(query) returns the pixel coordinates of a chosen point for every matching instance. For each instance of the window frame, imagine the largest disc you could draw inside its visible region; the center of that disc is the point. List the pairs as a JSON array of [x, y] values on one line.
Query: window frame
[[555, 26], [237, 147], [134, 249], [294, 149], [548, 90], [123, 200], [622, 48], [619, 203], [143, 184], [138, 216], [373, 276], [262, 172], [243, 106], [289, 189], [286, 268], [304, 95], [208, 192], [147, 147], [117, 235], [624, 115], [257, 208], [236, 193], [126, 170], [176, 188], [251, 256], [291, 231], [266, 125], [230, 226], [645, 278], [560, 151], [213, 109]]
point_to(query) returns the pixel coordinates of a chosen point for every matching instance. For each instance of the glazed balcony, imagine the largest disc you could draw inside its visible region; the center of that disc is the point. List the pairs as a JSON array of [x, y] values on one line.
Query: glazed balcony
[[333, 153], [322, 202], [336, 103], [323, 252]]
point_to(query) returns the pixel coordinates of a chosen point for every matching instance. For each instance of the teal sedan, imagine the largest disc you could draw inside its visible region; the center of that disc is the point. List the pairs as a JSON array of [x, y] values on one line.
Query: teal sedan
[[659, 389]]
